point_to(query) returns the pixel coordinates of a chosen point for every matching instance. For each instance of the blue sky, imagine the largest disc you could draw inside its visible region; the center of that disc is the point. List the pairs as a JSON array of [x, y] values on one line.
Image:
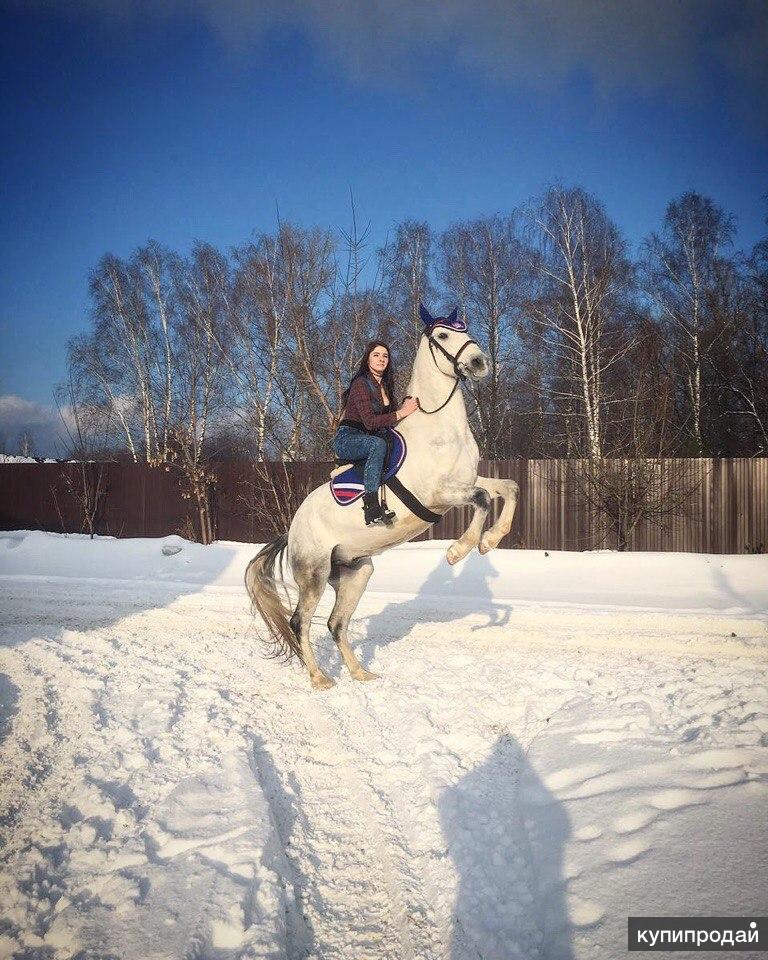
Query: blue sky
[[120, 124]]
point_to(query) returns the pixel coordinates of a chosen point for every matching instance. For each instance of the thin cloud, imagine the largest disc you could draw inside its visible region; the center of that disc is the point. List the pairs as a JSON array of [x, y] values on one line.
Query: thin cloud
[[41, 423], [645, 45]]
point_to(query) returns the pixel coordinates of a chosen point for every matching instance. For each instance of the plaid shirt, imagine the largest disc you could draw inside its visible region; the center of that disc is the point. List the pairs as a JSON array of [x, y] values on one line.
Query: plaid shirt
[[362, 408]]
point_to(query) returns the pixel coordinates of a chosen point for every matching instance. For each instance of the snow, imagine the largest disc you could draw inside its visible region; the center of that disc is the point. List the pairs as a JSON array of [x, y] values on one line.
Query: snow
[[594, 580], [11, 458], [556, 742]]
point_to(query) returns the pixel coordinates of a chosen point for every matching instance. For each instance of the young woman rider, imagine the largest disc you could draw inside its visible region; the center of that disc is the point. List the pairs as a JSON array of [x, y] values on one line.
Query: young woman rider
[[369, 407]]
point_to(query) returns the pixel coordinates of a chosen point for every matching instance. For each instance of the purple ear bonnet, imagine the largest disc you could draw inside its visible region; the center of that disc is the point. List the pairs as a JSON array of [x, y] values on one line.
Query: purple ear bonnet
[[452, 321], [452, 324]]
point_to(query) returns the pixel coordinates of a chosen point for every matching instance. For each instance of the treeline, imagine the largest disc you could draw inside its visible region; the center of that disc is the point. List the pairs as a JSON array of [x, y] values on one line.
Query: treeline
[[596, 350]]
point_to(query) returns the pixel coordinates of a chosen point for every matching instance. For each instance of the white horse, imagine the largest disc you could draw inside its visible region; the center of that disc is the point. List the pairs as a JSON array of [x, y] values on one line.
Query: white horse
[[330, 543]]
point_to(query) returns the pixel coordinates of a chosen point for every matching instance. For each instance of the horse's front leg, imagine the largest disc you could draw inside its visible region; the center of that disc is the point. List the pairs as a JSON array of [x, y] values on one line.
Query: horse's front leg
[[481, 501], [509, 491]]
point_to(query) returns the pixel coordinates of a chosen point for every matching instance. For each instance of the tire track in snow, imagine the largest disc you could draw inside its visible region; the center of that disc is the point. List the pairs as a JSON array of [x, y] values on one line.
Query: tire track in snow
[[308, 779], [340, 888], [310, 846], [293, 767], [463, 759], [367, 837], [426, 900]]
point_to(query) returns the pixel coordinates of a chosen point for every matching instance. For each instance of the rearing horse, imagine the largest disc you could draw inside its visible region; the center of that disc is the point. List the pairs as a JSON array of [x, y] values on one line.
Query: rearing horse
[[330, 543]]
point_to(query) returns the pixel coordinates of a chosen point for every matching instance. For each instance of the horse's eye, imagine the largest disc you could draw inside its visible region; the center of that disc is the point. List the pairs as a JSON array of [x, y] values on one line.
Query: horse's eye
[[442, 336]]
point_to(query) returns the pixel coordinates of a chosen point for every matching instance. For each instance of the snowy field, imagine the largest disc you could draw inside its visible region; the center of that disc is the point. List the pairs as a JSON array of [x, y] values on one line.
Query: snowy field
[[555, 743]]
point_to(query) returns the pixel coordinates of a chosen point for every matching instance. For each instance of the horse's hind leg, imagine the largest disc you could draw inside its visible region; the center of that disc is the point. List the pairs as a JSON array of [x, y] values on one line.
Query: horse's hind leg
[[349, 581], [311, 578]]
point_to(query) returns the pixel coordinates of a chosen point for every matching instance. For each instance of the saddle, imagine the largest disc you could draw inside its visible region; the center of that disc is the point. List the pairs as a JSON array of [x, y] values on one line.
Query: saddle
[[347, 478]]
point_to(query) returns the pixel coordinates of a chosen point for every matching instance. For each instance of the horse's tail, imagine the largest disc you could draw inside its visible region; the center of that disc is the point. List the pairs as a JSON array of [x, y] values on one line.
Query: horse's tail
[[262, 589]]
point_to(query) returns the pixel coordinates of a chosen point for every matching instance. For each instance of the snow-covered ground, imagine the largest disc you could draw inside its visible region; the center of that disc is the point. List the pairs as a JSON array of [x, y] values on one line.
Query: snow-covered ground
[[10, 458], [555, 743]]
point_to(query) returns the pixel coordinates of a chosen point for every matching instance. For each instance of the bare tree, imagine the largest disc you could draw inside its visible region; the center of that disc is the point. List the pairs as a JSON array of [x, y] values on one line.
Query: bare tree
[[155, 359], [200, 345], [741, 368], [485, 267], [301, 316], [359, 310], [407, 279], [280, 361], [682, 265], [259, 322], [638, 484], [87, 432], [605, 380], [629, 492], [126, 358], [157, 271], [26, 444], [274, 491], [579, 314], [309, 273]]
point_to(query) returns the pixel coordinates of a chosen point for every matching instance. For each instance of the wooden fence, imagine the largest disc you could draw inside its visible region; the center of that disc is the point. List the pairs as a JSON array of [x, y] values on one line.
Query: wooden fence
[[725, 509]]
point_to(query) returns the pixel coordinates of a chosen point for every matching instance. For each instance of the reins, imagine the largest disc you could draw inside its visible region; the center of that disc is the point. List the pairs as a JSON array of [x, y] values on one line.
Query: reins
[[459, 376]]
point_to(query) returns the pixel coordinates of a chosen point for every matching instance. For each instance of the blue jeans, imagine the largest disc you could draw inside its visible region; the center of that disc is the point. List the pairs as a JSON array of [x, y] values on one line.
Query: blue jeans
[[350, 444]]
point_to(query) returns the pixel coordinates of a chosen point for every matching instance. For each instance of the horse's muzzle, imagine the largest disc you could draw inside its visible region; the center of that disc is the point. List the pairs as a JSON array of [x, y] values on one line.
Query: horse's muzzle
[[476, 367]]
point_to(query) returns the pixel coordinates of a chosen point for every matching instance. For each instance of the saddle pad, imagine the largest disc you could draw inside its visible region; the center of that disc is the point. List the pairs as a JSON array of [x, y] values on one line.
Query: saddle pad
[[348, 486]]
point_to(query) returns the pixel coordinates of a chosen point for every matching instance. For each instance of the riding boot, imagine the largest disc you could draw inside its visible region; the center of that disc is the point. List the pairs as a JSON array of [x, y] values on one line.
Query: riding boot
[[373, 511]]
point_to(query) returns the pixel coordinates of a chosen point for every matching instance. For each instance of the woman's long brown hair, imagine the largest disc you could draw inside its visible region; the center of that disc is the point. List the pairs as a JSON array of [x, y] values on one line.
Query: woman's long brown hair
[[388, 378]]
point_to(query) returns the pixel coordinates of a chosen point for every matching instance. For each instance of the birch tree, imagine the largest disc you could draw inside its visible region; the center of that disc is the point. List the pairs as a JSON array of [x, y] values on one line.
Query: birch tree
[[578, 315], [407, 272], [485, 268], [283, 356], [200, 346], [126, 357], [681, 266], [739, 364], [750, 385], [259, 322], [154, 358]]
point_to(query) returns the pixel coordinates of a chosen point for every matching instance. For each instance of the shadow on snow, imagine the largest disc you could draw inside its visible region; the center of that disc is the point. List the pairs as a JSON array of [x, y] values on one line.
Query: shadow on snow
[[506, 835]]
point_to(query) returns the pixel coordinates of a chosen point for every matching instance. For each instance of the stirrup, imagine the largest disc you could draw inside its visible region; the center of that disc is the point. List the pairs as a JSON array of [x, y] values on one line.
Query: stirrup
[[374, 513], [382, 520]]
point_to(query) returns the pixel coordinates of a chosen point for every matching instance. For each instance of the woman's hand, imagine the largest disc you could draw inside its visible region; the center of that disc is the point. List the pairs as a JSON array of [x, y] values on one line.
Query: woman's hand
[[409, 405]]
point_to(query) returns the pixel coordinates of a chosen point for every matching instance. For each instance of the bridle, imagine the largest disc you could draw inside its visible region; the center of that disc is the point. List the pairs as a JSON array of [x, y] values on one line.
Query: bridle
[[454, 358]]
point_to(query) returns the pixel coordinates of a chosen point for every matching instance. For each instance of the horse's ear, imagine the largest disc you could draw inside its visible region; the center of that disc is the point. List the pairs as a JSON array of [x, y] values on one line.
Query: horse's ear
[[426, 317], [453, 315]]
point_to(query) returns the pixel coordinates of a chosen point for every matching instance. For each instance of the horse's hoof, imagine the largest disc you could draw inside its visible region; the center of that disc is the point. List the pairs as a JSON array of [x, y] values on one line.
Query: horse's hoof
[[485, 546], [454, 554], [365, 675], [321, 682]]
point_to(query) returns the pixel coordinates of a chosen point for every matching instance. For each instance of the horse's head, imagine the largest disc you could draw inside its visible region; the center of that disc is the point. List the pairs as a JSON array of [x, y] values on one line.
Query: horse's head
[[455, 353]]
